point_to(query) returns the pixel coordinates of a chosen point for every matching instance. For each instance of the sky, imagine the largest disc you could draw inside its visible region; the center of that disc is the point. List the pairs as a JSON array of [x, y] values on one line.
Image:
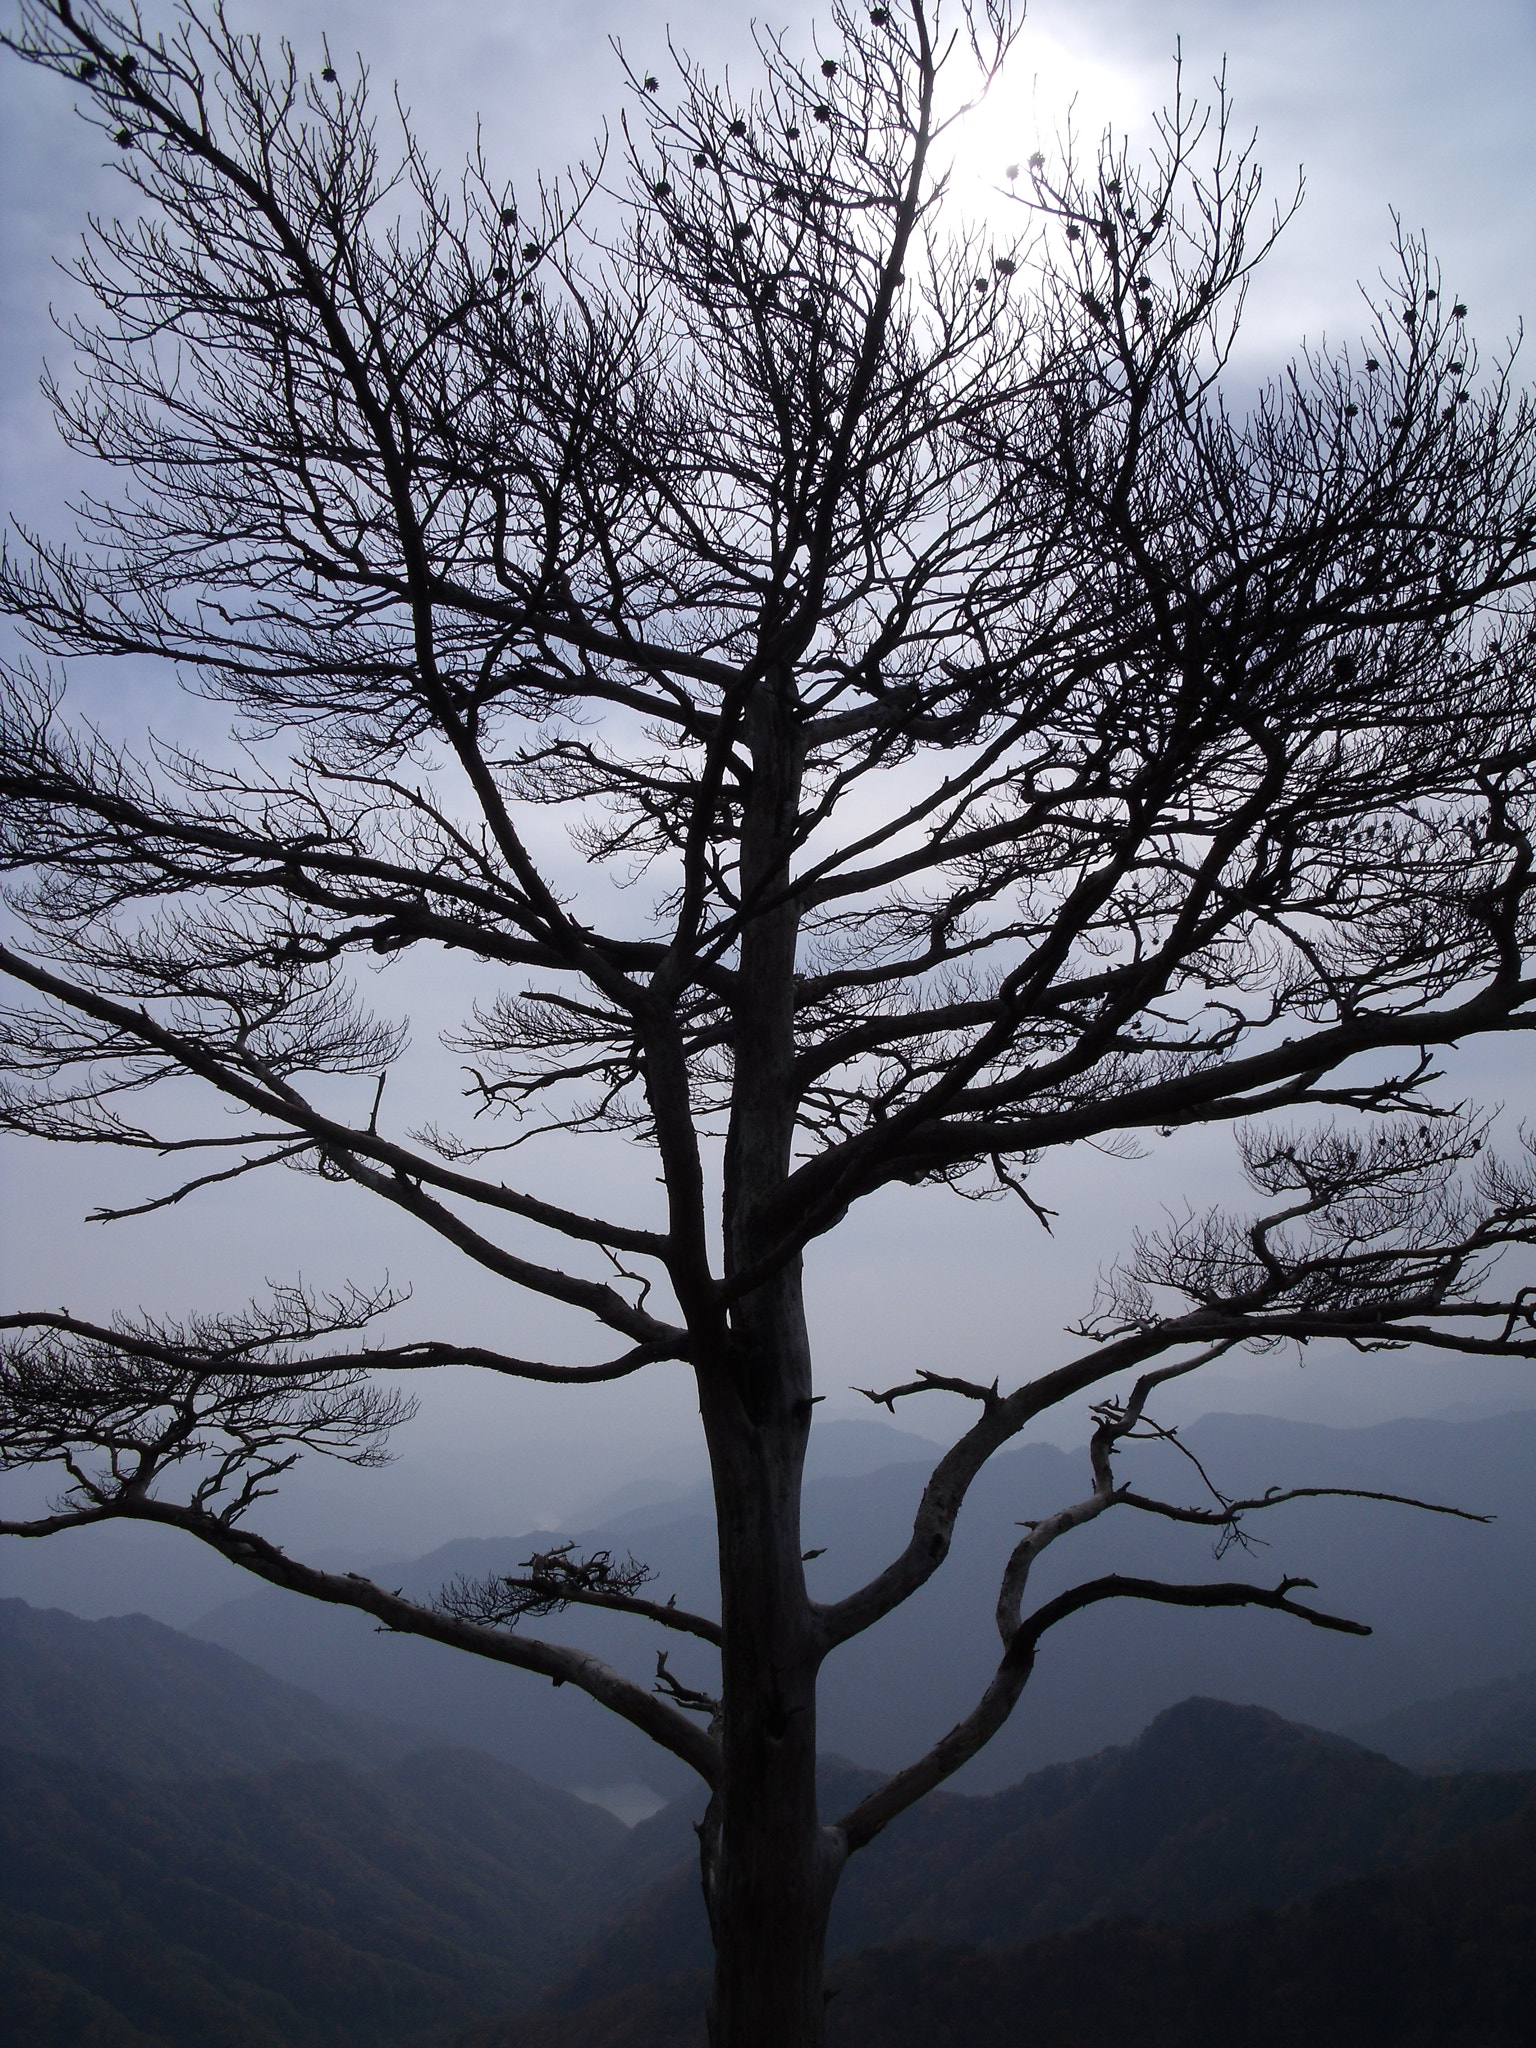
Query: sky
[[1417, 107]]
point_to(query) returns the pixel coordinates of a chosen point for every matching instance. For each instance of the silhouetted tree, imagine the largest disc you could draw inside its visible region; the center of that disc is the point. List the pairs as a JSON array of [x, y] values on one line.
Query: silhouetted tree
[[1010, 745]]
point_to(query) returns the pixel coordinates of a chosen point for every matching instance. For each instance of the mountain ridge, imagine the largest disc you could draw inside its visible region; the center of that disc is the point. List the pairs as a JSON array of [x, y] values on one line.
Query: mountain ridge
[[309, 1905], [1214, 1809], [1488, 1727], [316, 1904], [130, 1694]]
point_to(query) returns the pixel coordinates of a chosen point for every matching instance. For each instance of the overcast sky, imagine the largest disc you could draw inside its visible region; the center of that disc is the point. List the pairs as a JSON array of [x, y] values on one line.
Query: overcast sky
[[1420, 107]]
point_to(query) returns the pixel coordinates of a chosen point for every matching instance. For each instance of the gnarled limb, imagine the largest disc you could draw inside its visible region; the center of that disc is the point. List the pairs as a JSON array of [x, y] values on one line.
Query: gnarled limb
[[1375, 1239], [1232, 1512], [225, 1405], [1002, 1418]]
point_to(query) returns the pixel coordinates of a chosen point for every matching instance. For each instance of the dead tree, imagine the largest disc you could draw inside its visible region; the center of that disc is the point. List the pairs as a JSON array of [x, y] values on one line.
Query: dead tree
[[1003, 744]]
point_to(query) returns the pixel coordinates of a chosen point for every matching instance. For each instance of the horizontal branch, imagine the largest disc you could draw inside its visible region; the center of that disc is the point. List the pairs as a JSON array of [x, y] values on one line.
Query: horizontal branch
[[287, 1107], [1278, 1496], [552, 1580], [153, 1204], [405, 1172], [424, 1354], [919, 1141], [660, 1611], [1222, 1092]]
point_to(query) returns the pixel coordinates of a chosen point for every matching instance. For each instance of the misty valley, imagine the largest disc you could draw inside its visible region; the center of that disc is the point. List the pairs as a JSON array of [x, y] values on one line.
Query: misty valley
[[197, 1849]]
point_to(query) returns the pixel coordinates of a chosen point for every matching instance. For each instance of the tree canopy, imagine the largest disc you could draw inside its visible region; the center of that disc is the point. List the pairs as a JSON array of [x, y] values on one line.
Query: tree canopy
[[975, 735]]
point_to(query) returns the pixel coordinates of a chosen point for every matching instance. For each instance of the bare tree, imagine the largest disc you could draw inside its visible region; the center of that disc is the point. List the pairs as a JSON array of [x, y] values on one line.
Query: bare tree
[[1004, 744]]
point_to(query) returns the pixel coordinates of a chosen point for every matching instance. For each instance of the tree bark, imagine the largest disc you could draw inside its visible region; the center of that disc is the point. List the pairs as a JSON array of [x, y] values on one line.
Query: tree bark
[[769, 1867]]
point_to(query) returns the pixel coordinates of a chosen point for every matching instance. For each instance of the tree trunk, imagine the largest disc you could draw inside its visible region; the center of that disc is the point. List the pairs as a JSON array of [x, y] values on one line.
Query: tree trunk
[[769, 1868]]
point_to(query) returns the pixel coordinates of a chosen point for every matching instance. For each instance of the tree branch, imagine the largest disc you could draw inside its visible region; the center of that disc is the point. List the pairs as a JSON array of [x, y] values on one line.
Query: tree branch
[[863, 1822], [553, 1580], [554, 1661]]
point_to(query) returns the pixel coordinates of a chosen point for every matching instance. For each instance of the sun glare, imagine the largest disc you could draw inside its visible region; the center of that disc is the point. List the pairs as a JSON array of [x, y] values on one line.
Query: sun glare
[[1047, 93]]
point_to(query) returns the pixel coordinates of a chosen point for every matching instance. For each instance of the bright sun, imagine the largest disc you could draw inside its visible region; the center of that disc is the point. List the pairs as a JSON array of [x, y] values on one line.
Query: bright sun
[[1046, 87]]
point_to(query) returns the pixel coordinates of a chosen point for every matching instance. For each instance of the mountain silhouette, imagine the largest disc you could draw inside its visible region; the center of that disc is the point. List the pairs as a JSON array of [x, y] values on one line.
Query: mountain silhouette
[[1213, 1810], [131, 1695], [311, 1905], [1479, 1728], [350, 1894]]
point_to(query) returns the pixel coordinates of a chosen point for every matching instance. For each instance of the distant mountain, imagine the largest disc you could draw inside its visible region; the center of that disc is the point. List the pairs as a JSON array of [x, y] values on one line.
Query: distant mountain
[[311, 1906], [193, 1852], [1482, 1728], [846, 1447], [130, 1695], [314, 1905], [1213, 1810], [1447, 1600], [1442, 1955]]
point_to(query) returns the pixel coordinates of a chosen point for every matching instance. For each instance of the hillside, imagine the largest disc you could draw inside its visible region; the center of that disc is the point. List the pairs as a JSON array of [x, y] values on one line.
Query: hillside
[[193, 1851], [1214, 1809], [1442, 1955], [130, 1695], [314, 1904], [311, 1906]]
